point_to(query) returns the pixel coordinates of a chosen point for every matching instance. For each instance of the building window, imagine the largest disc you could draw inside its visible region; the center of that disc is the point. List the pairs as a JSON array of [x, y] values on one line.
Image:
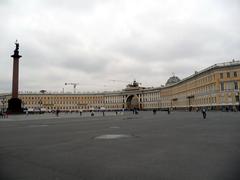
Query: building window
[[235, 85], [237, 98], [222, 86], [221, 75], [228, 74], [235, 74], [222, 99]]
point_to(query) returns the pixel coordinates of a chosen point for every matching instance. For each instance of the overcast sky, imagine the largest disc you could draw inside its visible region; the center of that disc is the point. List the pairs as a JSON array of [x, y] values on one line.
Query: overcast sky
[[92, 42]]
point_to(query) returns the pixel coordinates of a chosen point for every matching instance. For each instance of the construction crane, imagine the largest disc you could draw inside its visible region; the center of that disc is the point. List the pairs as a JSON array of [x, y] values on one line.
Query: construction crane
[[74, 86]]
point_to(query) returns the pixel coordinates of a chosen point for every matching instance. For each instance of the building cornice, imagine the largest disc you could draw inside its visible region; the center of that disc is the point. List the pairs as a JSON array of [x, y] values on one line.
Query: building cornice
[[139, 89]]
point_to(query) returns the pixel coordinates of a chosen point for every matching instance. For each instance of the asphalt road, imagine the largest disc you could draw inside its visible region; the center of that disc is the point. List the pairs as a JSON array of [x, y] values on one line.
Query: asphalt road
[[179, 146]]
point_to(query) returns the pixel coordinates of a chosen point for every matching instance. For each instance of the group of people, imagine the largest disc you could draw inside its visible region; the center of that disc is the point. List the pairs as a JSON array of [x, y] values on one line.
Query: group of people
[[4, 114], [103, 112], [168, 111], [204, 112]]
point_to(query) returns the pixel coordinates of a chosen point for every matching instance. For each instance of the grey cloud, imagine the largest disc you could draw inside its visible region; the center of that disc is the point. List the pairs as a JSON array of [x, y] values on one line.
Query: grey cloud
[[86, 64], [4, 2], [186, 42], [73, 5], [5, 85], [84, 40]]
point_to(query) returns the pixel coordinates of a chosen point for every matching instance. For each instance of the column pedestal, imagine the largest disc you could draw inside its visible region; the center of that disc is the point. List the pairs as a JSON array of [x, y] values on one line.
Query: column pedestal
[[15, 106]]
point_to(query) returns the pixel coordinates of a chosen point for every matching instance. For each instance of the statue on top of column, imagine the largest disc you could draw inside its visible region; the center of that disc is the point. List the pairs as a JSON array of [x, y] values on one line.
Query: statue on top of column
[[17, 45], [16, 52]]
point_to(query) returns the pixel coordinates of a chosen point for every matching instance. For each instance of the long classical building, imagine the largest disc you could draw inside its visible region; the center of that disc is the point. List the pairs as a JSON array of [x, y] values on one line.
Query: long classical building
[[216, 87]]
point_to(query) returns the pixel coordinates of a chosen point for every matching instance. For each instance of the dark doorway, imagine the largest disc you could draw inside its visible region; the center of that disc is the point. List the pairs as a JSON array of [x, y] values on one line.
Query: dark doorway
[[132, 102]]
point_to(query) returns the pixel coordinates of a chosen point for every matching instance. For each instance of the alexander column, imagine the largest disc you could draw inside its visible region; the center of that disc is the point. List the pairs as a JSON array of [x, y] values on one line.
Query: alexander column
[[14, 104]]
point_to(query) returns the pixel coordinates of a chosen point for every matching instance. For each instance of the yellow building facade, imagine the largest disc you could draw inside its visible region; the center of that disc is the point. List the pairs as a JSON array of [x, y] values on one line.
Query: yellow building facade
[[216, 87]]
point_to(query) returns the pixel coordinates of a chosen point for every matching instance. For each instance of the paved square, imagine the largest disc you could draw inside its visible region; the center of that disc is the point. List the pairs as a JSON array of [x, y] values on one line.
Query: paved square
[[179, 146]]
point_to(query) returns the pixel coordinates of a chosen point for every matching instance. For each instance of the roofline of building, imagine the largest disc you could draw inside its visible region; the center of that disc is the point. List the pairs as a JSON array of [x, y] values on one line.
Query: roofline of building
[[213, 67], [104, 93]]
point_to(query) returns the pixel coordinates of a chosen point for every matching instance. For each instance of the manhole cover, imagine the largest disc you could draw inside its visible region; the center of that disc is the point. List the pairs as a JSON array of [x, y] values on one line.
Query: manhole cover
[[113, 136]]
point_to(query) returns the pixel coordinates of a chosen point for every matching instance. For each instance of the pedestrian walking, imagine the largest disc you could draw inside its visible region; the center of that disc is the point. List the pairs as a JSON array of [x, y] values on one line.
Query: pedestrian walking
[[122, 111], [57, 112], [136, 111], [2, 114], [168, 110], [204, 113], [26, 112], [154, 111], [80, 112]]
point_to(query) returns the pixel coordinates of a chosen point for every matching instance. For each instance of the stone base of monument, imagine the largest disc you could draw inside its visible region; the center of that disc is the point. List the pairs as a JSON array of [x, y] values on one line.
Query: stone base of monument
[[15, 106]]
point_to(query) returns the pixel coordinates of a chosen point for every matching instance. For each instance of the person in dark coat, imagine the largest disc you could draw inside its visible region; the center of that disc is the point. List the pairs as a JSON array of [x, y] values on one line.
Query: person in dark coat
[[204, 113], [154, 111], [57, 112]]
